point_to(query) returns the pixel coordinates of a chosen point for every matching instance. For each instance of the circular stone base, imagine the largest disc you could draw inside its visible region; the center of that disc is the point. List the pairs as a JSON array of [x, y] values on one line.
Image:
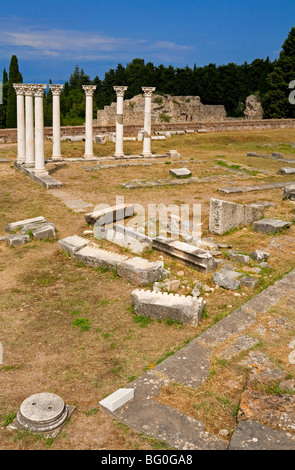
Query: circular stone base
[[42, 412]]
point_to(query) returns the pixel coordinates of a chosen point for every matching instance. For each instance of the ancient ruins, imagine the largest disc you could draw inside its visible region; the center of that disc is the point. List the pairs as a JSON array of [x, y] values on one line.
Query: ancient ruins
[[190, 244]]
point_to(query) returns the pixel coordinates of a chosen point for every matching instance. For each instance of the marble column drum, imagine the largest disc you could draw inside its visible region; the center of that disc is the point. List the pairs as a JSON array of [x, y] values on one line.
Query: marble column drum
[[29, 123], [148, 91], [89, 90], [21, 133], [120, 90], [56, 147], [39, 129]]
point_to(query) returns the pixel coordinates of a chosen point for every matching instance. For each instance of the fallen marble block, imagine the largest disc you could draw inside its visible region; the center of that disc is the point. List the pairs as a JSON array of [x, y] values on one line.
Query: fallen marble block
[[286, 171], [121, 239], [225, 281], [92, 255], [249, 281], [158, 306], [44, 232], [110, 214], [100, 139], [260, 255], [22, 223], [140, 271], [16, 239], [226, 215], [72, 244], [243, 259], [180, 172], [289, 193], [270, 225], [117, 399], [199, 259]]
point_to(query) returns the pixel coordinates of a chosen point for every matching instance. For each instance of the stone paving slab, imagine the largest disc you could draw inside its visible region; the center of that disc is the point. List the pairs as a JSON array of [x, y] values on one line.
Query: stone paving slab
[[250, 435], [190, 366], [259, 187], [45, 180]]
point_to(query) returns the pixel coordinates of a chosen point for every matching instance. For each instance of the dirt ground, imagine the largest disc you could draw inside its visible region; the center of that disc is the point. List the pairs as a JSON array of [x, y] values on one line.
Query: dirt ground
[[43, 292]]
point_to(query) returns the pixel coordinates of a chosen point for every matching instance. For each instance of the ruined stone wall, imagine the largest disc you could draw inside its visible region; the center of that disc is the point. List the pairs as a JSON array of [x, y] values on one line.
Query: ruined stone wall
[[165, 108], [10, 135]]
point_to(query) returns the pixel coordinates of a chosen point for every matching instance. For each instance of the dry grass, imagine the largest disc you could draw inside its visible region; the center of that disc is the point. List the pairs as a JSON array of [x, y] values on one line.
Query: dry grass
[[43, 292]]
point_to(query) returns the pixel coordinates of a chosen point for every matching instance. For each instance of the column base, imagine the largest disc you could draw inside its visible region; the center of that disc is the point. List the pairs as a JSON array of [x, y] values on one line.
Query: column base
[[89, 156], [40, 172], [20, 160], [119, 155], [146, 154], [56, 157], [29, 165]]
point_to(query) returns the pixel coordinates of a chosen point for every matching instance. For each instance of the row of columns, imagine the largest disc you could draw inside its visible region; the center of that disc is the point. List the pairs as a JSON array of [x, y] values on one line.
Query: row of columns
[[148, 91], [30, 132]]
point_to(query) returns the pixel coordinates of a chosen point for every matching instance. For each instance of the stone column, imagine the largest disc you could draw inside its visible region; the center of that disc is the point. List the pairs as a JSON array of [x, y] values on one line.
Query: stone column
[[56, 150], [21, 133], [39, 129], [148, 91], [29, 119], [89, 89], [120, 90]]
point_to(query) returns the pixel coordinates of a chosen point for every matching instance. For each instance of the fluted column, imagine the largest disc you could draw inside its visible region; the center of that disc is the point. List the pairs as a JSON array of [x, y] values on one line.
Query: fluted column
[[56, 149], [120, 90], [39, 129], [29, 120], [21, 133], [148, 91], [89, 90]]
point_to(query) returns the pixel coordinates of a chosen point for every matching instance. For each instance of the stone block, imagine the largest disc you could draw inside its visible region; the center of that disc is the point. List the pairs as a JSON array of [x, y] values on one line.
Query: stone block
[[249, 281], [92, 255], [72, 244], [100, 139], [277, 155], [16, 239], [140, 271], [122, 239], [110, 214], [180, 172], [270, 225], [156, 305], [243, 259], [286, 171], [21, 223], [253, 212], [117, 399], [260, 255], [200, 259], [289, 193], [44, 232], [226, 215], [225, 281]]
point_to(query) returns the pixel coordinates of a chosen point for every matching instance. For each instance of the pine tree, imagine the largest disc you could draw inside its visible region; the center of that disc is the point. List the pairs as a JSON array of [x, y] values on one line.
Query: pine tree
[[14, 77]]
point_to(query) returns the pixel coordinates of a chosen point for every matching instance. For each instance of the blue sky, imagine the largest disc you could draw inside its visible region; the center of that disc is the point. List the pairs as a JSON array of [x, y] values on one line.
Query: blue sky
[[50, 38]]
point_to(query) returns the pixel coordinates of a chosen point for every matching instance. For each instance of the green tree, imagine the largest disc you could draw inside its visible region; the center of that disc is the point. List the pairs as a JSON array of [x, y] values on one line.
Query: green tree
[[14, 77], [3, 106], [275, 102]]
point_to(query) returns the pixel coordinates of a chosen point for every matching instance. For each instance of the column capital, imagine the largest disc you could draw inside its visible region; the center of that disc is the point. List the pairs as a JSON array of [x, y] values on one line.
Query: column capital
[[39, 89], [55, 89], [148, 90], [28, 89], [19, 88], [89, 89], [120, 90]]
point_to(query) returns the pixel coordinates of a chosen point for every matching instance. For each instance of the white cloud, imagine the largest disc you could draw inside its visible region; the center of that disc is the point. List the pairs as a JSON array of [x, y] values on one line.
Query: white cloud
[[30, 42]]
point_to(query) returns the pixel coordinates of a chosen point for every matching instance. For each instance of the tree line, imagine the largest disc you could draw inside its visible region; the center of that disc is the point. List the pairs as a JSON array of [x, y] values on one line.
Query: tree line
[[227, 85]]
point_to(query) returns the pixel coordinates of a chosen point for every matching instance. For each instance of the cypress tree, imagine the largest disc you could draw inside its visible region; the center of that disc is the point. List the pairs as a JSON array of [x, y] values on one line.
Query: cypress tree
[[14, 77], [275, 102], [3, 106]]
